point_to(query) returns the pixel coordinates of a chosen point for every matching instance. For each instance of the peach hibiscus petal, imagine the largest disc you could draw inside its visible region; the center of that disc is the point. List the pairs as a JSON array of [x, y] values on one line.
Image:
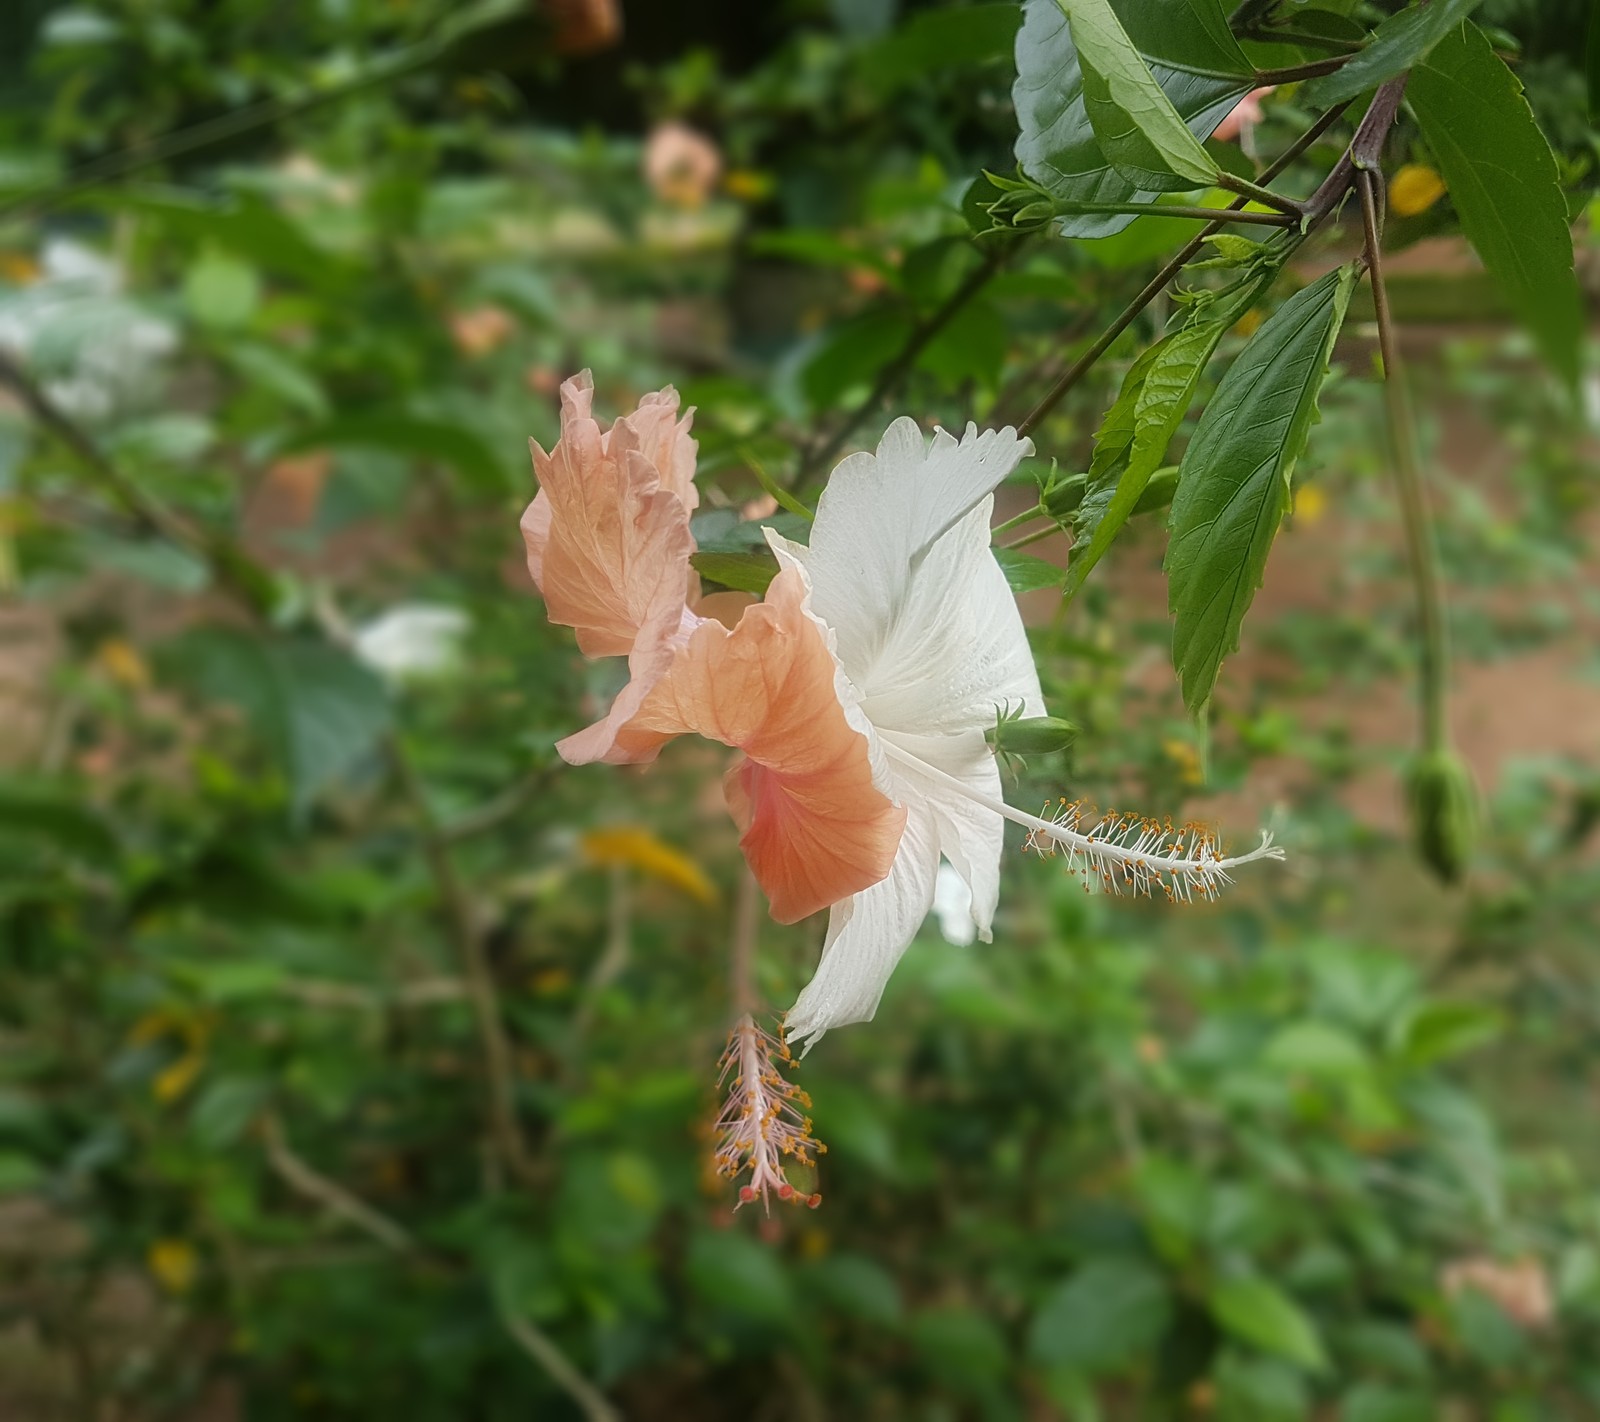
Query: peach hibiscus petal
[[815, 827], [608, 535]]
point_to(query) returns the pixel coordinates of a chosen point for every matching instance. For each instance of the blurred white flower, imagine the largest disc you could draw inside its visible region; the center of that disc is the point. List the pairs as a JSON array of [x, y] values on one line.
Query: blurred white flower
[[93, 350], [412, 640], [952, 906]]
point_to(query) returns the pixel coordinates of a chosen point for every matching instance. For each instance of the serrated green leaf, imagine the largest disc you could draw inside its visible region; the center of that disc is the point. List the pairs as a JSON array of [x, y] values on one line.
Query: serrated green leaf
[[1138, 129], [1155, 397], [1400, 42], [1233, 484], [1259, 1312], [1191, 54], [1504, 183]]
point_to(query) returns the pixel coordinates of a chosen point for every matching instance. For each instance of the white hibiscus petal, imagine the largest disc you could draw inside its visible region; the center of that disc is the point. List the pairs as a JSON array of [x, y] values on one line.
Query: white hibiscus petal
[[956, 651], [880, 515], [867, 933], [970, 836]]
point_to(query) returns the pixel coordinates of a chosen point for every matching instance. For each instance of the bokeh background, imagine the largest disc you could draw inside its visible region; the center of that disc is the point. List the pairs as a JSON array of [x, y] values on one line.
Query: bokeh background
[[357, 1057]]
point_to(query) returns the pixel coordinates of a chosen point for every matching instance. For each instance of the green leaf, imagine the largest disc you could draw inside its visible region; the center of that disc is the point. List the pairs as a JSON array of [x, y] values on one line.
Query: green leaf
[[962, 1347], [1233, 484], [1024, 572], [1315, 1049], [1155, 396], [857, 1287], [1108, 1312], [934, 41], [1189, 50], [853, 353], [748, 572], [733, 1273], [273, 370], [1138, 129], [318, 711], [1440, 1030], [221, 291], [1400, 42], [1503, 181], [1259, 1312]]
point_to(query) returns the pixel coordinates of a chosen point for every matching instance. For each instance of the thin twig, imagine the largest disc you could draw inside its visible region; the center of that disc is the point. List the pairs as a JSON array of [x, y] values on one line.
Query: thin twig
[[1153, 287], [425, 992], [245, 578], [613, 961], [315, 1186], [539, 1346], [502, 807], [312, 1184], [504, 1126], [891, 375]]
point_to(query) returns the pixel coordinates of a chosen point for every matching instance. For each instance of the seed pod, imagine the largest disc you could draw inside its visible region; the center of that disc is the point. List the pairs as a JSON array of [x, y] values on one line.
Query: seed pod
[[1037, 735], [1443, 801]]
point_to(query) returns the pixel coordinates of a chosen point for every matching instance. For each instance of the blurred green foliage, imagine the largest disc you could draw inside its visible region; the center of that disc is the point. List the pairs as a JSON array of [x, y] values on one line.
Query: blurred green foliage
[[1324, 1150]]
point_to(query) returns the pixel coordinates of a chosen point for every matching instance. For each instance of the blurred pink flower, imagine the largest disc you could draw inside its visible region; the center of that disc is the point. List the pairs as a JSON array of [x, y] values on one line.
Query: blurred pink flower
[[681, 165], [1243, 117]]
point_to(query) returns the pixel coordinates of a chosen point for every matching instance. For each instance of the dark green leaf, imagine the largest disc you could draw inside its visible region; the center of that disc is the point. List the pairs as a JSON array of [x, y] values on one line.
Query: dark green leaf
[[748, 572], [1189, 51], [1259, 1312], [1503, 181], [853, 353], [1440, 1030], [858, 1287], [937, 40], [1025, 573], [1108, 1312], [1398, 43], [317, 710], [734, 1273], [1233, 485], [961, 1346]]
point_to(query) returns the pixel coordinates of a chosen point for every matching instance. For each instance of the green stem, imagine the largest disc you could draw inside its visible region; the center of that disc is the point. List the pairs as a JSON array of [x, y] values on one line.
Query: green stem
[[1285, 35], [1256, 193], [1293, 73], [1032, 537], [1026, 516], [1434, 663], [1202, 214]]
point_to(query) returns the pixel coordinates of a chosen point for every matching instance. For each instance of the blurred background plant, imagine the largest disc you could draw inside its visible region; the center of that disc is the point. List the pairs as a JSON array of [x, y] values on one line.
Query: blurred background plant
[[356, 1057]]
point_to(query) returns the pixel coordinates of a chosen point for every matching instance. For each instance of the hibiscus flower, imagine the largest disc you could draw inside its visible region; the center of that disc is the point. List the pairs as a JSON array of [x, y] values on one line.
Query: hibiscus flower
[[860, 690]]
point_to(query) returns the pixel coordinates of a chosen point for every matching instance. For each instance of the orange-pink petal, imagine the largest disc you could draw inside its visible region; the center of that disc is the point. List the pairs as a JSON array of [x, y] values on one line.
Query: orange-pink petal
[[608, 535], [815, 827]]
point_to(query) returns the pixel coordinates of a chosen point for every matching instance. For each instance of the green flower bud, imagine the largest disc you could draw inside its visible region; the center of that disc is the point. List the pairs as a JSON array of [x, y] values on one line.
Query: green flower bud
[[1443, 801], [1061, 497], [1037, 735]]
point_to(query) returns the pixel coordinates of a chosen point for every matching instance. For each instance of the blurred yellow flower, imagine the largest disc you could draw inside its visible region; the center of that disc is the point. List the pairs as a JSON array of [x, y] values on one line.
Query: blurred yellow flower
[[174, 1265], [1414, 189], [481, 330], [120, 660], [635, 846], [1185, 757], [747, 185], [1310, 503], [18, 268], [1246, 325]]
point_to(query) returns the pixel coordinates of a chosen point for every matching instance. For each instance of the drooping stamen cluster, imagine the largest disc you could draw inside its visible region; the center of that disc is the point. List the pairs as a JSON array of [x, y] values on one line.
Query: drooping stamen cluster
[[1129, 853], [763, 1126]]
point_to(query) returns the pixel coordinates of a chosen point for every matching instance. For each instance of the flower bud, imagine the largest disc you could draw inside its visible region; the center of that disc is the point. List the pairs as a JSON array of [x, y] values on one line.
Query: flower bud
[[1443, 801], [1035, 735]]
